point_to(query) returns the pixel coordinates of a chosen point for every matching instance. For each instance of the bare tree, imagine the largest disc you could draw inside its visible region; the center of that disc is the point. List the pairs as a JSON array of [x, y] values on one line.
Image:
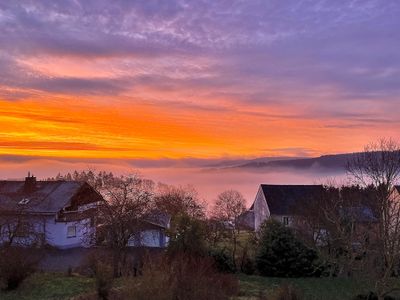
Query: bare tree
[[21, 241], [338, 223], [122, 216], [228, 207], [379, 167], [180, 201]]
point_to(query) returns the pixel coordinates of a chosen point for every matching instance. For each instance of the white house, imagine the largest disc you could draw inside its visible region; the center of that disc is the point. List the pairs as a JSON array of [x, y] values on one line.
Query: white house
[[278, 202], [62, 213]]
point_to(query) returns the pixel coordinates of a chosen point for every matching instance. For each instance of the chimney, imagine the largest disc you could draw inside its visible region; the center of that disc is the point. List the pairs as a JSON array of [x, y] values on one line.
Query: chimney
[[30, 183]]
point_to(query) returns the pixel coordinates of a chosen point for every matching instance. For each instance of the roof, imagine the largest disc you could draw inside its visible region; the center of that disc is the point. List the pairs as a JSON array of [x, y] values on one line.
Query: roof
[[45, 197], [158, 218], [362, 214], [282, 199]]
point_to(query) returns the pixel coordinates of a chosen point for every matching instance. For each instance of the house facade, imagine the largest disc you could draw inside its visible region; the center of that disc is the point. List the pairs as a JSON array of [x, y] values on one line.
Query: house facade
[[57, 213], [278, 202], [62, 214]]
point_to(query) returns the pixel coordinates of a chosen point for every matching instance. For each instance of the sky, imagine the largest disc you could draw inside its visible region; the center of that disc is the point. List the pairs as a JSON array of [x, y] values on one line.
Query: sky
[[89, 80]]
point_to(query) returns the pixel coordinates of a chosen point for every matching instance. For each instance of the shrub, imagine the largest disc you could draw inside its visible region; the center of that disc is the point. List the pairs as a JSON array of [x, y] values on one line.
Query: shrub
[[90, 263], [287, 292], [104, 280], [181, 277], [281, 254], [372, 296], [16, 264], [188, 236], [223, 261], [248, 266]]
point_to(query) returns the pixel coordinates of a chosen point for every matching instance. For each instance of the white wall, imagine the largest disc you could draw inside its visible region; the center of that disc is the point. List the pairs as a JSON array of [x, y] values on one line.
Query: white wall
[[57, 235], [149, 238], [261, 210]]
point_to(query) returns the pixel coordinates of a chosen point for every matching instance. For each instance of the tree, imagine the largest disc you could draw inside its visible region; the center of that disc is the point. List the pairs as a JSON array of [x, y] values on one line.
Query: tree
[[228, 207], [338, 222], [179, 200], [281, 254], [378, 166], [128, 203], [21, 239], [187, 236]]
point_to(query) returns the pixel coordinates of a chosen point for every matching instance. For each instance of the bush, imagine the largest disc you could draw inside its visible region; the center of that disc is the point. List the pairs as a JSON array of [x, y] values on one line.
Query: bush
[[223, 261], [372, 296], [16, 264], [104, 280], [287, 292], [188, 236], [181, 277], [281, 254]]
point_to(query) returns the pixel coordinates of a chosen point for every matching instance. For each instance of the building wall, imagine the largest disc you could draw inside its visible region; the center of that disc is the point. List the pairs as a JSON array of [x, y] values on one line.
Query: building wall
[[57, 234], [154, 238], [261, 211]]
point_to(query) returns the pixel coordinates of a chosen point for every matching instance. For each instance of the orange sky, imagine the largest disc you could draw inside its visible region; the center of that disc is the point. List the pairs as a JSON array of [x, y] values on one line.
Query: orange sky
[[88, 129], [197, 80]]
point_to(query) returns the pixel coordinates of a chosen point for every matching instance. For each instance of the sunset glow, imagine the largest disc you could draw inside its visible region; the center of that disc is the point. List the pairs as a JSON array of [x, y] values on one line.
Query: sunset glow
[[152, 80]]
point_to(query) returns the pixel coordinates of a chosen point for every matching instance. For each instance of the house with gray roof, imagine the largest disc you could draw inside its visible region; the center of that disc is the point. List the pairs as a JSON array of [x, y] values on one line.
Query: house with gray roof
[[62, 212], [278, 202], [286, 202]]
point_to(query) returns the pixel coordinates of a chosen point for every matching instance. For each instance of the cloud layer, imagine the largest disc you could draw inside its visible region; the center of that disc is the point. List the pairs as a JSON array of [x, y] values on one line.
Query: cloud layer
[[174, 79]]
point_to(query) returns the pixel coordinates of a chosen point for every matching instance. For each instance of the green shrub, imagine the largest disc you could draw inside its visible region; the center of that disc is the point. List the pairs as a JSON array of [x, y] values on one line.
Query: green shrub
[[281, 254], [223, 261], [187, 236]]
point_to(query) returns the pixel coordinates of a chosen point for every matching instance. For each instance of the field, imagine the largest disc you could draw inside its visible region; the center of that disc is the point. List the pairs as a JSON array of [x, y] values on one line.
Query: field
[[48, 286], [312, 288]]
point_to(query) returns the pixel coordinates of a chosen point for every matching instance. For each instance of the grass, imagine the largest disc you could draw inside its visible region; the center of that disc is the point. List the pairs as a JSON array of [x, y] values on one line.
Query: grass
[[50, 286], [313, 288]]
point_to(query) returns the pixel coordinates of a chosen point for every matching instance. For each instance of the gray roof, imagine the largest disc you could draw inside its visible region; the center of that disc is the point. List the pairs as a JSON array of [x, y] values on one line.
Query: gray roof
[[158, 218], [283, 199], [47, 197]]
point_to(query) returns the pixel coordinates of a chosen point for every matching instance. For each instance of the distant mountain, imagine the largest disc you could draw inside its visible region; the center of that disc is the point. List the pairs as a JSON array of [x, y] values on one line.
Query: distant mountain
[[242, 162], [335, 161]]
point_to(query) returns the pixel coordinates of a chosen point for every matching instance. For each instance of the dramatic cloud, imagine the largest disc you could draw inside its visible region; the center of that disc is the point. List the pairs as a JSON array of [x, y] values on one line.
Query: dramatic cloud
[[175, 79]]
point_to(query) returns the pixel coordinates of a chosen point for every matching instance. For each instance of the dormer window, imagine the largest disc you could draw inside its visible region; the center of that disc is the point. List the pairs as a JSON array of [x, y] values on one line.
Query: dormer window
[[24, 201]]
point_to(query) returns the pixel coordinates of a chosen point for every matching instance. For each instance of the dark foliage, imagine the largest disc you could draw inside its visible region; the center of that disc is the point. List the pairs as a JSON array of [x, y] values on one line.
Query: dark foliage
[[16, 264], [372, 296], [187, 236], [181, 277], [281, 254], [288, 292], [223, 261], [104, 280]]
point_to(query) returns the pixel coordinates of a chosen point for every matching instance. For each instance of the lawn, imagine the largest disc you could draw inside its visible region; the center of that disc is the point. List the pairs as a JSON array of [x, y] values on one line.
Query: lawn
[[50, 286], [312, 288]]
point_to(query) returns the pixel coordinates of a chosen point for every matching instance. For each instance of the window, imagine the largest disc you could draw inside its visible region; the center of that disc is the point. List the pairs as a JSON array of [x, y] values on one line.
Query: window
[[71, 231], [285, 221], [24, 201]]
